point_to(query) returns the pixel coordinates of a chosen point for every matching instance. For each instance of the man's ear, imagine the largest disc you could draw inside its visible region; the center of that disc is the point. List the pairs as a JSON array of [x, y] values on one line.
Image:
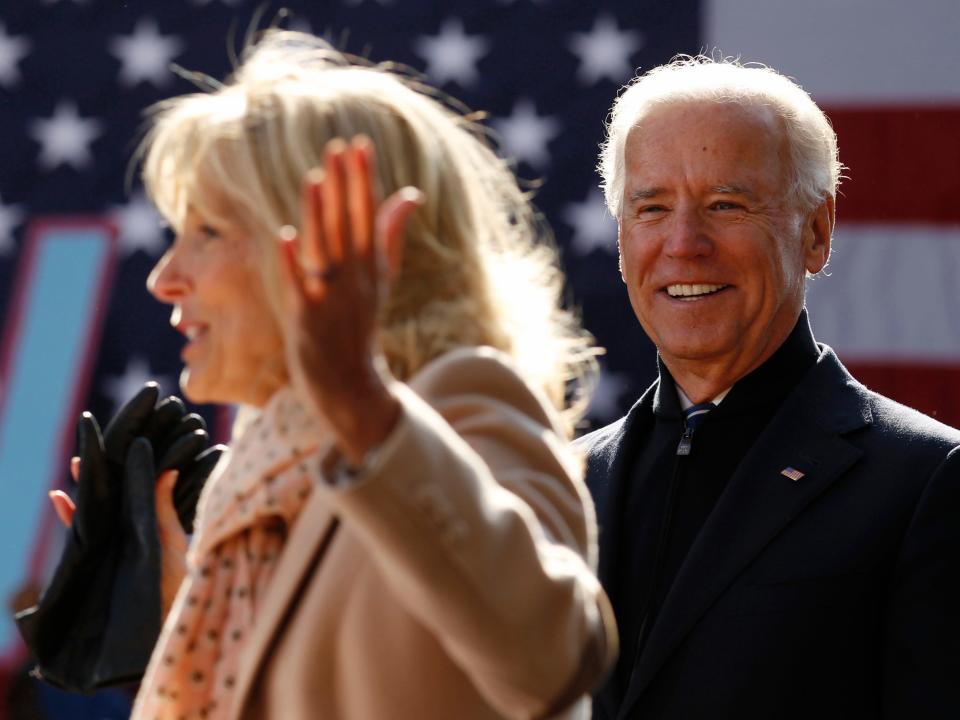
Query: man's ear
[[817, 234], [620, 248]]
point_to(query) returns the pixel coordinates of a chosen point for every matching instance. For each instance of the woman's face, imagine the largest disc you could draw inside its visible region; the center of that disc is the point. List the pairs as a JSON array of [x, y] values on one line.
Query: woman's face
[[234, 350]]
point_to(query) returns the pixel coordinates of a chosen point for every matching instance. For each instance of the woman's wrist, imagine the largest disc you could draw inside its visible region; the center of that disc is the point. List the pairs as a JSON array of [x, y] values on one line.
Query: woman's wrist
[[361, 416]]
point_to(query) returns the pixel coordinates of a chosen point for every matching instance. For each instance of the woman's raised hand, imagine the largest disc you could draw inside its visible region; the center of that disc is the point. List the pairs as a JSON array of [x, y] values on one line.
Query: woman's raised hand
[[337, 272]]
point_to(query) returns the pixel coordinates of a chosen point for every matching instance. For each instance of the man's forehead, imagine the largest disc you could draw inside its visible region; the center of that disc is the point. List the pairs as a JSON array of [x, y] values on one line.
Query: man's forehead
[[729, 146], [718, 116]]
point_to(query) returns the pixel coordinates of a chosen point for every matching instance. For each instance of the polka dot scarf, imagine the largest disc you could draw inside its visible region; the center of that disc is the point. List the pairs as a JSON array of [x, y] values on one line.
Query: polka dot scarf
[[252, 498]]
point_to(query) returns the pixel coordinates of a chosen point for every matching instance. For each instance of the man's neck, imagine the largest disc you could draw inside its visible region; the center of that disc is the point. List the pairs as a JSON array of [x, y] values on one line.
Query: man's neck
[[701, 382], [686, 402]]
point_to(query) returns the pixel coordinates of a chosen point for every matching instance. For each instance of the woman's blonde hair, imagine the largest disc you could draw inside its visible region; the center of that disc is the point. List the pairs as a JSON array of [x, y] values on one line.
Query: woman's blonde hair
[[479, 266]]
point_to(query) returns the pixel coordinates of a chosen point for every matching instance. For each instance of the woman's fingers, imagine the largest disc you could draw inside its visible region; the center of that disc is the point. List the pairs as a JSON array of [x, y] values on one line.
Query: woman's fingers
[[360, 173], [173, 541], [333, 196], [344, 230], [310, 249], [291, 271], [63, 506], [391, 221], [172, 536], [313, 252], [306, 252]]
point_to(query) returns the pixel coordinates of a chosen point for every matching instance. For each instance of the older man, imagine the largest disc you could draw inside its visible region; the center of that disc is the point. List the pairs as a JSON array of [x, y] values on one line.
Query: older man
[[778, 541]]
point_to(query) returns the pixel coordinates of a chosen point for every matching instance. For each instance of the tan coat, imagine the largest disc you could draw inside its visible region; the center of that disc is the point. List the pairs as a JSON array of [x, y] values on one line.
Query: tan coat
[[451, 580]]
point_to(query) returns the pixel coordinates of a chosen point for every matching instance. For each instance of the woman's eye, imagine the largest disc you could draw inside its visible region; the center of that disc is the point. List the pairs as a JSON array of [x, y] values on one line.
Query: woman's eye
[[208, 232]]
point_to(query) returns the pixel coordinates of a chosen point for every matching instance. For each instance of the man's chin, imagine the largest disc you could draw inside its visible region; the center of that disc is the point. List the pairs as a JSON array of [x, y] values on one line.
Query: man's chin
[[697, 348]]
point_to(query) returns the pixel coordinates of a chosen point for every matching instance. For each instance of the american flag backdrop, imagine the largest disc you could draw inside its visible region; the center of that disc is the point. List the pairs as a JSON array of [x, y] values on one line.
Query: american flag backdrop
[[77, 239]]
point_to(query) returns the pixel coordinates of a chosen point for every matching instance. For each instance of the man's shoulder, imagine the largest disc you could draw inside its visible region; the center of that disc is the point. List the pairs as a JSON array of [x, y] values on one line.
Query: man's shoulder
[[904, 424], [604, 441], [599, 449], [600, 436], [890, 422]]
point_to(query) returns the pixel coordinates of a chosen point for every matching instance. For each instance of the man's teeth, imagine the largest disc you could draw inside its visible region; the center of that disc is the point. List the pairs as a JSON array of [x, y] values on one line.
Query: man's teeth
[[692, 292], [191, 332]]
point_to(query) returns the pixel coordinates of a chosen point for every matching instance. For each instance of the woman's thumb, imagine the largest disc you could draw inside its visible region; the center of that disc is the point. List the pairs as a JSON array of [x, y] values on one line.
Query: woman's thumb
[[172, 535]]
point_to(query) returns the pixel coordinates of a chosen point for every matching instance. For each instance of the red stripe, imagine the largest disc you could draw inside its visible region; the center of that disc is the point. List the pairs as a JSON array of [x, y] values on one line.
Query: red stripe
[[904, 163], [931, 389]]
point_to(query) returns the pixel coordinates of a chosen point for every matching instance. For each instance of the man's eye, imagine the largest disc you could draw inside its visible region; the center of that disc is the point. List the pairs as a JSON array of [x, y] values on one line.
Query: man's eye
[[650, 209], [726, 205]]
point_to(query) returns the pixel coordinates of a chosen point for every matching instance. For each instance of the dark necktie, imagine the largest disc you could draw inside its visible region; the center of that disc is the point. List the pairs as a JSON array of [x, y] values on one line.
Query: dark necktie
[[693, 416]]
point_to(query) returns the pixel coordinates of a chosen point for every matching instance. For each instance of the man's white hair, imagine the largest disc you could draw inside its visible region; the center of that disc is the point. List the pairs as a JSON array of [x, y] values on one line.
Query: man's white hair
[[810, 138]]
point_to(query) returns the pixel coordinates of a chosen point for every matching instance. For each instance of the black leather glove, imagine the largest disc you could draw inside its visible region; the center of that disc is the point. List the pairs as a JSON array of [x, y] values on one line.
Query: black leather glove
[[187, 451], [134, 617], [98, 620]]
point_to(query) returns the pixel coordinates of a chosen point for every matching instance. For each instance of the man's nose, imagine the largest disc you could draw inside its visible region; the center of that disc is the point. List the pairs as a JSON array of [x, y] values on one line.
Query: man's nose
[[688, 235], [167, 281]]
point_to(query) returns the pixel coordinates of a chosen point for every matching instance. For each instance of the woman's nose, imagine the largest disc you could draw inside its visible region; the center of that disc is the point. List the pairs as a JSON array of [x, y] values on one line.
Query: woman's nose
[[167, 281]]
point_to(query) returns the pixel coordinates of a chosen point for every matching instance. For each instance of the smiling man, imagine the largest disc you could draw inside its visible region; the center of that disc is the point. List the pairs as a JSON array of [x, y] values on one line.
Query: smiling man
[[777, 541]]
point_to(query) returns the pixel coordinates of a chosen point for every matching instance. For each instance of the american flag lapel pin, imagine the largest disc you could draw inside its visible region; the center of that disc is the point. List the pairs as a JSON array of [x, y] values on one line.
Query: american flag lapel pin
[[792, 473]]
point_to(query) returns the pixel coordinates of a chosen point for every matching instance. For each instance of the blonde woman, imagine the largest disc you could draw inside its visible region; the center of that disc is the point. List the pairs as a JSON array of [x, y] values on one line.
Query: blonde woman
[[398, 530]]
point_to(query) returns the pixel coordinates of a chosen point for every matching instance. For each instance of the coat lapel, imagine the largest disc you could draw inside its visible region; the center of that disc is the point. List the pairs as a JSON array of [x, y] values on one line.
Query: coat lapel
[[610, 457], [610, 454], [759, 502], [309, 540]]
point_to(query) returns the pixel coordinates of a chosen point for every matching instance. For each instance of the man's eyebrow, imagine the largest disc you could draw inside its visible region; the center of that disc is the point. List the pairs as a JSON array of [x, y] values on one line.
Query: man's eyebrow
[[645, 193], [732, 190], [653, 192]]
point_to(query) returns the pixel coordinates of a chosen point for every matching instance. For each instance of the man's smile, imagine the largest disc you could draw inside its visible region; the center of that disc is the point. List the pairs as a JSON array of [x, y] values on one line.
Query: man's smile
[[691, 292]]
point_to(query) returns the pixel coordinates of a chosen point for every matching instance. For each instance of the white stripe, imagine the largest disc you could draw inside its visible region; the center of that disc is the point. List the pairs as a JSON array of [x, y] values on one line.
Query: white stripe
[[893, 293], [847, 51]]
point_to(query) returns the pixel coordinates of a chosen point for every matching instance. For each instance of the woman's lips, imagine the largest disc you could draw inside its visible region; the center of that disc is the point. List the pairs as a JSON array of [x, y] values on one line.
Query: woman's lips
[[194, 333]]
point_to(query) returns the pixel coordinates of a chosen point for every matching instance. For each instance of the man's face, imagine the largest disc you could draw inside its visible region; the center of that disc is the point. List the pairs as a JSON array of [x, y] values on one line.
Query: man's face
[[713, 246]]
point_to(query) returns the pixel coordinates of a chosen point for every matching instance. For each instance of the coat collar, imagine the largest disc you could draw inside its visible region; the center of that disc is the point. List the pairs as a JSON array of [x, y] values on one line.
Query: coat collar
[[765, 386], [758, 502], [303, 551]]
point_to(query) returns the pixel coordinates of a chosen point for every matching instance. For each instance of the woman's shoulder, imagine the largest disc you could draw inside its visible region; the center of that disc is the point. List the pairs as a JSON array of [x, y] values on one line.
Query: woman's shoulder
[[463, 362], [482, 371]]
